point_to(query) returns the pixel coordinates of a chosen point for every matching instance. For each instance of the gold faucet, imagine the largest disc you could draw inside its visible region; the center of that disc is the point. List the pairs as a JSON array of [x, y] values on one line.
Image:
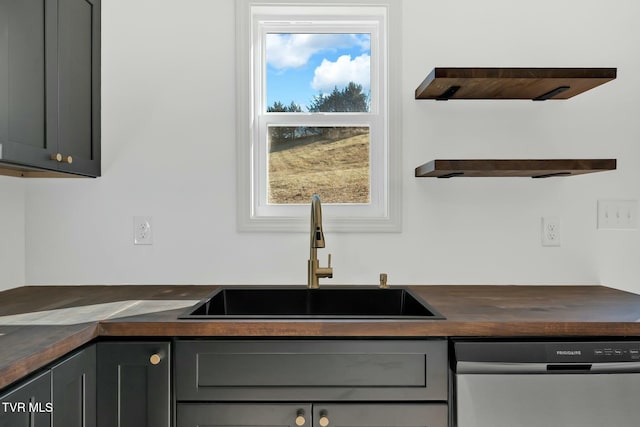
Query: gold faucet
[[314, 271]]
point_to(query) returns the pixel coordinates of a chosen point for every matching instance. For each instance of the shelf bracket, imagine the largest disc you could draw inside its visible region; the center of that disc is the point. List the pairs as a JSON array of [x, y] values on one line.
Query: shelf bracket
[[549, 175], [551, 93], [444, 96], [451, 175]]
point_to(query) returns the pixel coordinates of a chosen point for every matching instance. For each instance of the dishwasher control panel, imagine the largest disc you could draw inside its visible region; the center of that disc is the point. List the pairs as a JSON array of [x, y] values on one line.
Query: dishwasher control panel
[[548, 351], [618, 353], [595, 352]]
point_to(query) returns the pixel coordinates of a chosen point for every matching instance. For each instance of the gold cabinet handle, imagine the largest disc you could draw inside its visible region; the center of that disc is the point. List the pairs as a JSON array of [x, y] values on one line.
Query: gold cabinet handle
[[155, 359], [300, 420], [324, 419], [60, 158]]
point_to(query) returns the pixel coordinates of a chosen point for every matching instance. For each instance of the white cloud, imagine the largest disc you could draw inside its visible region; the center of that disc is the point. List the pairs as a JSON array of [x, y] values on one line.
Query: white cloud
[[294, 50], [344, 70]]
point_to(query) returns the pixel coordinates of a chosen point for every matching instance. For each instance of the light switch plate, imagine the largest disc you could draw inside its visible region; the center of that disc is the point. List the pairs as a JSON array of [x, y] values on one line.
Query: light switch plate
[[618, 214]]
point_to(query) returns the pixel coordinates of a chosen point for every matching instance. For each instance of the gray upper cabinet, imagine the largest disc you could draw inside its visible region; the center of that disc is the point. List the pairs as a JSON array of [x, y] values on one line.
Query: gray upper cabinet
[[79, 86], [50, 86], [23, 71]]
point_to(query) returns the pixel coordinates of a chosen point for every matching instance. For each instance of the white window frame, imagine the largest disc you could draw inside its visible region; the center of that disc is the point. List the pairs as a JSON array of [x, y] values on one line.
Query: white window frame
[[256, 18]]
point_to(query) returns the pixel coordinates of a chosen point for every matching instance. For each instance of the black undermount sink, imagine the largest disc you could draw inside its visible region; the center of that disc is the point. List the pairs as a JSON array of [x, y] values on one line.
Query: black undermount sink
[[340, 302]]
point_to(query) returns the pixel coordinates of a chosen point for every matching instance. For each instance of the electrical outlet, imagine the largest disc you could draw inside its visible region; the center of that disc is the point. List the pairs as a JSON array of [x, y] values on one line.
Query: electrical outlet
[[142, 231], [550, 231], [618, 214]]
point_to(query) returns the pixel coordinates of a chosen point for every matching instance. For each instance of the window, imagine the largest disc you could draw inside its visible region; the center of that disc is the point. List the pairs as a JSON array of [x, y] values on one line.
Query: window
[[315, 103]]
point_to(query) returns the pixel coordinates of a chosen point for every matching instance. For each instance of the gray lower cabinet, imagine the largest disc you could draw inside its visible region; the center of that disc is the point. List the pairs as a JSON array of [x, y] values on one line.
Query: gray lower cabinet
[[316, 415], [134, 384], [28, 404], [50, 86], [62, 396], [311, 383], [74, 390], [380, 415], [242, 415], [304, 370]]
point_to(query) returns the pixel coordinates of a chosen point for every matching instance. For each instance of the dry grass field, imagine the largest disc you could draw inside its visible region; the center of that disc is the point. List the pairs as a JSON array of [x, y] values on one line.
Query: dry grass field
[[337, 170]]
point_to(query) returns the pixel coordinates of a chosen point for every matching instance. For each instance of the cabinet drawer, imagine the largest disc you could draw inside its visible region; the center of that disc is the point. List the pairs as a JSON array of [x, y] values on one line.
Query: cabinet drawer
[[286, 415], [242, 414], [311, 370], [381, 415]]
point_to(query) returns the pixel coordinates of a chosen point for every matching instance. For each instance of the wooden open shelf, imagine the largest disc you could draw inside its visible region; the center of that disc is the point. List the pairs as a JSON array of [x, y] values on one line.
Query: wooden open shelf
[[511, 83], [536, 168]]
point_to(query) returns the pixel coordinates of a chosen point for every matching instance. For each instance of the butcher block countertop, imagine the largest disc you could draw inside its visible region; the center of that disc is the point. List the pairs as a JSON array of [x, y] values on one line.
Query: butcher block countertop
[[39, 324]]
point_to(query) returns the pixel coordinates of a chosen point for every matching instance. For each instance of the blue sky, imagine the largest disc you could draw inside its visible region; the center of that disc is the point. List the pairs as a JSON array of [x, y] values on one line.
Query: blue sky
[[300, 66]]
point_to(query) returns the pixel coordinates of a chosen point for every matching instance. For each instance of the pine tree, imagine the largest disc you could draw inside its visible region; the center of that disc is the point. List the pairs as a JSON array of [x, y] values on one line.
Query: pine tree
[[350, 99], [279, 134]]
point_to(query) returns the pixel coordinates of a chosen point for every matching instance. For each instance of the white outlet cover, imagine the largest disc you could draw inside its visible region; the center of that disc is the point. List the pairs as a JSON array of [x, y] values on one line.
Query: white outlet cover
[[142, 230], [617, 214], [550, 231]]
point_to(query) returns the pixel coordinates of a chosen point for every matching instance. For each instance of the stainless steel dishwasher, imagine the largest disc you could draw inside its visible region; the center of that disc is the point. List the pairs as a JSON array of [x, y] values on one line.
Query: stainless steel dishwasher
[[546, 384]]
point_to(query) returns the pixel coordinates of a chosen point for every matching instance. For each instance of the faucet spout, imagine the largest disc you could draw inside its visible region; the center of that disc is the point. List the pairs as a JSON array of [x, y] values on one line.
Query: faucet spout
[[317, 235], [314, 271]]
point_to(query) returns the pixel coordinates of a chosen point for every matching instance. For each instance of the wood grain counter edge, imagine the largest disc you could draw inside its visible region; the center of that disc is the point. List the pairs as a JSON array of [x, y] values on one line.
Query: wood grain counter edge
[[45, 355], [324, 329]]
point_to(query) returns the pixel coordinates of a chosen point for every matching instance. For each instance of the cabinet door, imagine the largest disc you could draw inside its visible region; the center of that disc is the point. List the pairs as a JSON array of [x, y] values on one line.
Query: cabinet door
[[74, 390], [243, 415], [50, 84], [25, 107], [78, 61], [311, 371], [133, 384], [380, 415], [28, 405]]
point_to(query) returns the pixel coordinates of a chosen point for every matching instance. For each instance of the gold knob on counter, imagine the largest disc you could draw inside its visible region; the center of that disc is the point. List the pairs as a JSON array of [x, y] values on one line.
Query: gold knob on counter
[[155, 359], [300, 420], [324, 419], [67, 159], [383, 281]]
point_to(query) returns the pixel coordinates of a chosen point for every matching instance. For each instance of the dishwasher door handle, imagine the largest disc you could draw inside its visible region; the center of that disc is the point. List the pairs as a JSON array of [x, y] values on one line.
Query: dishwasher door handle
[[504, 368], [569, 367]]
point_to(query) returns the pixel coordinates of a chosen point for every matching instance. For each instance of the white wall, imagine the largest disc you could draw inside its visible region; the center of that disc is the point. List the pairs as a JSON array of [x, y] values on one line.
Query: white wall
[[12, 232], [168, 146]]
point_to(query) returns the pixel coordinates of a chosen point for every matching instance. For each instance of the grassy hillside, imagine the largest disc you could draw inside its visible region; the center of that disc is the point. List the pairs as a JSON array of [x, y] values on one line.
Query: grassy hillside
[[337, 170]]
